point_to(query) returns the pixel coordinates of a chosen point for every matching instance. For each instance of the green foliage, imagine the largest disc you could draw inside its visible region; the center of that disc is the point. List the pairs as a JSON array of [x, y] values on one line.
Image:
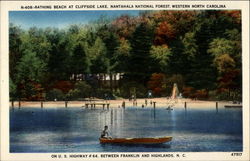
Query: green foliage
[[124, 48], [15, 53], [58, 64], [104, 94], [55, 94], [36, 41], [224, 63], [97, 56], [140, 64], [178, 62], [83, 87], [12, 89], [81, 90], [230, 48], [121, 55], [79, 60], [198, 49], [221, 46], [227, 60], [111, 43], [230, 95], [161, 55], [73, 94], [30, 68], [190, 45], [128, 88]]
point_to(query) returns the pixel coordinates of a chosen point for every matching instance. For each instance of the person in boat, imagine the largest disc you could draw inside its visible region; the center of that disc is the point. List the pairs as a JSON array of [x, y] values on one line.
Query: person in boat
[[105, 133]]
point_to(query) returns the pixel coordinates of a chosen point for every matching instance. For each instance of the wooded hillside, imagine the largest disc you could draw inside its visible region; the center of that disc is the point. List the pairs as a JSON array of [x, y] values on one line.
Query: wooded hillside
[[198, 50]]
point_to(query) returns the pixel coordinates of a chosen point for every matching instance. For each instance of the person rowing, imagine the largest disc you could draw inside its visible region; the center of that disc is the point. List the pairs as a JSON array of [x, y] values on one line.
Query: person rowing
[[105, 133]]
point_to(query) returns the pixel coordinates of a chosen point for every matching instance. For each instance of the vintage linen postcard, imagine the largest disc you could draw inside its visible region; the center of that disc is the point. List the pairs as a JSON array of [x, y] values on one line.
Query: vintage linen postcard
[[119, 80]]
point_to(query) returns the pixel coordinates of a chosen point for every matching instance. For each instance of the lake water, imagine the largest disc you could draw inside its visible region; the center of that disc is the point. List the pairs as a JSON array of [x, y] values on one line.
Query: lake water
[[78, 129]]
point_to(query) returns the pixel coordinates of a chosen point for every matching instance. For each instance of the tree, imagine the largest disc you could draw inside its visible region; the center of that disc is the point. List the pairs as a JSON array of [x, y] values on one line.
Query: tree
[[81, 90], [224, 63], [201, 73], [12, 88], [30, 71], [79, 61], [30, 67], [201, 49], [227, 54], [111, 42], [190, 45], [124, 26], [165, 32], [161, 56], [55, 94], [221, 46], [121, 56], [97, 55], [177, 60], [157, 84], [173, 23], [59, 56], [15, 52], [36, 41], [140, 66], [234, 36]]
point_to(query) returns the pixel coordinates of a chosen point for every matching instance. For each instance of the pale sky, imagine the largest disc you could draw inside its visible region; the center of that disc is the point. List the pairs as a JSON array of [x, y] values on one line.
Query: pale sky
[[61, 19]]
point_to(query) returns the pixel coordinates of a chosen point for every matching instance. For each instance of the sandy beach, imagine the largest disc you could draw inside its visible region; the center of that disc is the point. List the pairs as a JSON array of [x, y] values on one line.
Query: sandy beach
[[159, 103]]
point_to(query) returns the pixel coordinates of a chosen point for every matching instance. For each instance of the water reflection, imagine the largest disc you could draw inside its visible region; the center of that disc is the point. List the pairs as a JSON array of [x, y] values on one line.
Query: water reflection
[[55, 130]]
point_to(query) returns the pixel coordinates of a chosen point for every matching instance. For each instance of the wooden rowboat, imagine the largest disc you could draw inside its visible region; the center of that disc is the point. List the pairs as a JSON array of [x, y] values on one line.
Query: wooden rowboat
[[136, 140], [233, 106]]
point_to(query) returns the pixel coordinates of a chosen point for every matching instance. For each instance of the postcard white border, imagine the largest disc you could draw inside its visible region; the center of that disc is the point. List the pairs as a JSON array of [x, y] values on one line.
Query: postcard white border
[[7, 6]]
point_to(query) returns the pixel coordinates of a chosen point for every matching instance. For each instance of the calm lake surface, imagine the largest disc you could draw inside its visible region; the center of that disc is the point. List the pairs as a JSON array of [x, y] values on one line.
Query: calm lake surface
[[78, 129]]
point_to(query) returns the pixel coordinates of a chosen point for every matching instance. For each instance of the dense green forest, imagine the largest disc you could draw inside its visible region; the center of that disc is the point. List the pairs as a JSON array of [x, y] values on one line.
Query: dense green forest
[[198, 50]]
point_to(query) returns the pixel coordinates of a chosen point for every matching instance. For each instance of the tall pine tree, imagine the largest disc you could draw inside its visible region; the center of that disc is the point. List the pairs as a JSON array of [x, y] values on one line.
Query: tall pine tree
[[139, 67]]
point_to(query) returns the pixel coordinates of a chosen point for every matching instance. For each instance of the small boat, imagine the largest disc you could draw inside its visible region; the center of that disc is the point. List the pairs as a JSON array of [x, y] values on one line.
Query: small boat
[[169, 108], [156, 140], [233, 106]]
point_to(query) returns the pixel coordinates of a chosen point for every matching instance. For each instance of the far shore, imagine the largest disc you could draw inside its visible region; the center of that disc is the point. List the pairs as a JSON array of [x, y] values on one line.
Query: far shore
[[159, 103]]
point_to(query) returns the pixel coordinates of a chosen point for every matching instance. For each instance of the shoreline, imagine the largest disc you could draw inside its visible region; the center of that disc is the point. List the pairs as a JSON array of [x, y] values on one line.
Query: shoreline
[[159, 103]]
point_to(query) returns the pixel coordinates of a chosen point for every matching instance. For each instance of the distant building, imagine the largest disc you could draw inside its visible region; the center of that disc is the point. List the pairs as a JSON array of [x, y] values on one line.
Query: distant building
[[103, 79]]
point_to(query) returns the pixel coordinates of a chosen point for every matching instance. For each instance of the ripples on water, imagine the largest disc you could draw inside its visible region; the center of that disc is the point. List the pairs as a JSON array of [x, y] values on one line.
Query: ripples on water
[[78, 129]]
